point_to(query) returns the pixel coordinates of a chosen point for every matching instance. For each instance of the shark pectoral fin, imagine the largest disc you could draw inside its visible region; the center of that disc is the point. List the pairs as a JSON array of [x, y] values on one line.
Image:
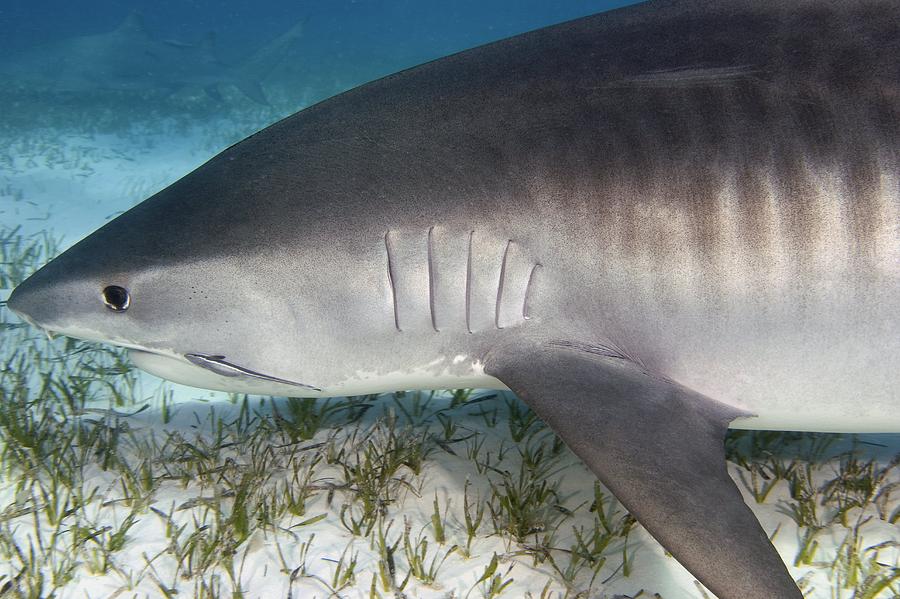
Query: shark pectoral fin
[[212, 92], [133, 26], [659, 448], [253, 90]]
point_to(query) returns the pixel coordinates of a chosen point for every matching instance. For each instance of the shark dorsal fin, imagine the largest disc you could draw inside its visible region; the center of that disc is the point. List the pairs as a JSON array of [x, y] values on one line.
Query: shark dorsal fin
[[208, 47], [208, 43], [133, 26]]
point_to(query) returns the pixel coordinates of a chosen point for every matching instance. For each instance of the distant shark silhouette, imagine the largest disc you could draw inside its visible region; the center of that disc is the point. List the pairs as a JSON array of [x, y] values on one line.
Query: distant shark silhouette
[[129, 58]]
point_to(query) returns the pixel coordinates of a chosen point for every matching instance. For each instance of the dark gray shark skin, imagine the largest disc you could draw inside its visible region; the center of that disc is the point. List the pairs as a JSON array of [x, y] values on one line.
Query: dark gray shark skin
[[130, 59], [651, 224]]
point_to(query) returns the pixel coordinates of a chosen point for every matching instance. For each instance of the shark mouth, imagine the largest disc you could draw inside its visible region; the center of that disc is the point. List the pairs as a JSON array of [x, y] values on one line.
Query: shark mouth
[[212, 371], [219, 365]]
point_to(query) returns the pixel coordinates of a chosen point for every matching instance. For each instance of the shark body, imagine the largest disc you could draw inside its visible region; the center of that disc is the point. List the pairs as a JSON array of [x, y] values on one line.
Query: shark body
[[651, 224]]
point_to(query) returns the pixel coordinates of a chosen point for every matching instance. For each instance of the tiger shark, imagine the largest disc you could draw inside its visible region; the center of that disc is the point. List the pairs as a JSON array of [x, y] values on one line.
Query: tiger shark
[[130, 59], [651, 224]]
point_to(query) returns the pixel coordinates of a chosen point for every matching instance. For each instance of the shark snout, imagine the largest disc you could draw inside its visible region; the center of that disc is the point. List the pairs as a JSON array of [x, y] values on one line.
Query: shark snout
[[43, 298], [25, 300], [57, 306]]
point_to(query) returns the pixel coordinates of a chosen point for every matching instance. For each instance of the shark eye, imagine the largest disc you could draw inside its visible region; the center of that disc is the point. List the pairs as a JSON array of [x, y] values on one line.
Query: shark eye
[[116, 298]]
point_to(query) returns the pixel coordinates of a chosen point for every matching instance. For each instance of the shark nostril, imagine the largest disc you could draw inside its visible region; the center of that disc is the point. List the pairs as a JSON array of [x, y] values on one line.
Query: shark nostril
[[116, 298]]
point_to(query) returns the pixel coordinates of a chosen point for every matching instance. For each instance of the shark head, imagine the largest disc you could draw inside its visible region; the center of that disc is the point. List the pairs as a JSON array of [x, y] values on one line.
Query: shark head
[[186, 318], [210, 284], [194, 300]]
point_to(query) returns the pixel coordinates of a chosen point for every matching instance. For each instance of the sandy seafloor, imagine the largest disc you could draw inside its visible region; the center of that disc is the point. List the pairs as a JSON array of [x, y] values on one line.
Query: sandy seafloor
[[68, 180]]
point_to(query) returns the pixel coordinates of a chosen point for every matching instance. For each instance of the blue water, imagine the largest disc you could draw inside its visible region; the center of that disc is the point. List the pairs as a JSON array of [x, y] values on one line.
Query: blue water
[[358, 36]]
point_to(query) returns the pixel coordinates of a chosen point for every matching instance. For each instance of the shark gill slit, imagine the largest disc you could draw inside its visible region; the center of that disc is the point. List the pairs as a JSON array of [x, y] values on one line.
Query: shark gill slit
[[500, 285], [469, 282], [431, 279], [528, 285], [390, 274]]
